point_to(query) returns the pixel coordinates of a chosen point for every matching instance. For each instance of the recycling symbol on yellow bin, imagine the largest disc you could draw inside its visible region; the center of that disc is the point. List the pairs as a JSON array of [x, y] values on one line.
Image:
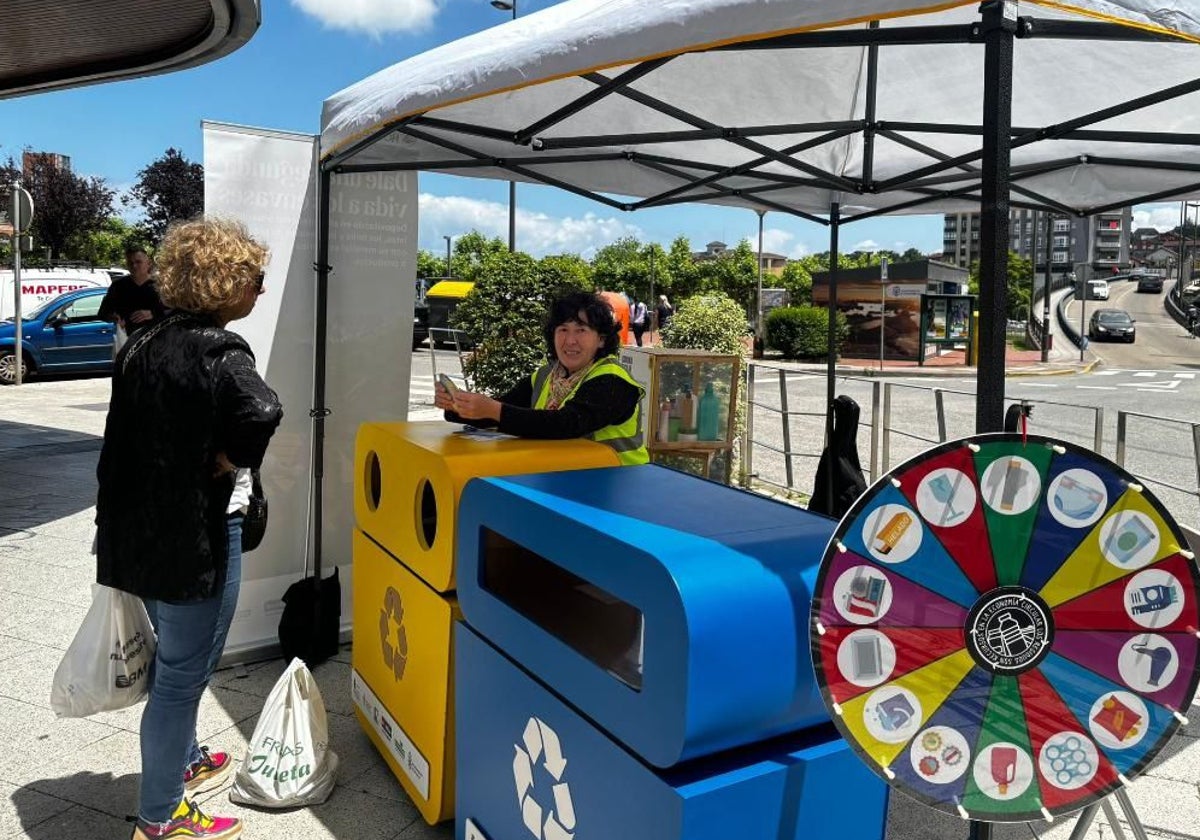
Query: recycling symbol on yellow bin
[[539, 744], [395, 656]]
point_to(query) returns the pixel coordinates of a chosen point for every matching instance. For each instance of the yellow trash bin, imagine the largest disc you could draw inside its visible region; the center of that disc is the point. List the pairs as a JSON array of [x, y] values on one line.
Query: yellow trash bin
[[403, 677], [409, 478]]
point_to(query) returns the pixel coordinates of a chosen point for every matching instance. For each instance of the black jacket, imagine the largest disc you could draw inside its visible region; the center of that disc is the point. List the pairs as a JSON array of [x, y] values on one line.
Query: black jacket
[[183, 390]]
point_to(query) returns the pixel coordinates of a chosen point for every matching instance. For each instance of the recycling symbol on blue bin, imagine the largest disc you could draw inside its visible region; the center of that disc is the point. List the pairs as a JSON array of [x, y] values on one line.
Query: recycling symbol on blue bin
[[540, 747]]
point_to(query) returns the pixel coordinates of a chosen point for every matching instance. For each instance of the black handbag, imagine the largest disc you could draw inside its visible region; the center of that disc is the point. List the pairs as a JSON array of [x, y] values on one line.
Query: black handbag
[[254, 526]]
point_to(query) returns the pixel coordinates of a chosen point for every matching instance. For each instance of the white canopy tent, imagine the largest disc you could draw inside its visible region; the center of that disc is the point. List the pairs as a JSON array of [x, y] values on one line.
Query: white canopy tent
[[830, 110]]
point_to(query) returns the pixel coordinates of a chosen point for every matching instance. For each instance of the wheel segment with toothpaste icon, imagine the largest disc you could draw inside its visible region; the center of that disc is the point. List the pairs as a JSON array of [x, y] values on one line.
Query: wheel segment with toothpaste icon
[[1006, 627]]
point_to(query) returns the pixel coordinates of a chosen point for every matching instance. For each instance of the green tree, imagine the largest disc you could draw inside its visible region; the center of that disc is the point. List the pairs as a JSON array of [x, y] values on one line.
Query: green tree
[[1019, 288], [170, 189], [734, 273], [912, 255], [105, 246], [797, 279], [566, 270], [66, 205], [682, 275], [472, 251], [711, 321], [429, 265], [621, 266], [503, 315]]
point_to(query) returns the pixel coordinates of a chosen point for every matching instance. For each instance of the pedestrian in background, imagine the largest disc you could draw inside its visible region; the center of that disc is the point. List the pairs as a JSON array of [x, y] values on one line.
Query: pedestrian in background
[[132, 302], [639, 318], [664, 311], [189, 416]]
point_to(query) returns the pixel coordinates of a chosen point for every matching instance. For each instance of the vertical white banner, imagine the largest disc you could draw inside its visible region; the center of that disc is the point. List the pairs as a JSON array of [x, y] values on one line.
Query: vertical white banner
[[372, 281], [267, 179]]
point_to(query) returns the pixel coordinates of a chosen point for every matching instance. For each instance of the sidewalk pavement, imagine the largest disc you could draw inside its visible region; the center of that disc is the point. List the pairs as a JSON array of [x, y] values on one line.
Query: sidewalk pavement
[[78, 779], [951, 363]]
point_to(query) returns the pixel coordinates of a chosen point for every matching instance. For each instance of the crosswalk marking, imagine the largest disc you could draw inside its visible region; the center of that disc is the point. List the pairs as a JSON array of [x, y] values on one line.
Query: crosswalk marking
[[1185, 376], [1146, 373]]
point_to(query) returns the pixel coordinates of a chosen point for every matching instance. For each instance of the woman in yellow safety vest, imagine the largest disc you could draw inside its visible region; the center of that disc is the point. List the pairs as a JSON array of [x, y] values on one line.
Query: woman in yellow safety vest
[[582, 392]]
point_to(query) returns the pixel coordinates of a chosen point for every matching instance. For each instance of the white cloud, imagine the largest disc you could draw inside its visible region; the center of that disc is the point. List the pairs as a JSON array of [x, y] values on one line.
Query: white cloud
[[374, 17], [537, 233], [1158, 216], [866, 245], [778, 241]]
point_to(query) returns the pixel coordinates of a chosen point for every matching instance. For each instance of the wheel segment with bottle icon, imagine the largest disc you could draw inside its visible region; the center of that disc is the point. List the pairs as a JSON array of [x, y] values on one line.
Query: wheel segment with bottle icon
[[1006, 628]]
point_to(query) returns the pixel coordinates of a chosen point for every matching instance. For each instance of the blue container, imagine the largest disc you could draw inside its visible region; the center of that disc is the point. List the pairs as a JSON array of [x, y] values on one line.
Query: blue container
[[670, 610], [530, 765]]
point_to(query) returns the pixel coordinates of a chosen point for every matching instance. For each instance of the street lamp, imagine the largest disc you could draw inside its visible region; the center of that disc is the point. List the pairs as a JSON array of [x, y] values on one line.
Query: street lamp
[[447, 238], [504, 6]]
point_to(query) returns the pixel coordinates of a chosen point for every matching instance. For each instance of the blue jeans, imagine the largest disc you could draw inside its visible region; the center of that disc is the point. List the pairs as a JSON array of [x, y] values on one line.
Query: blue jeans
[[191, 637]]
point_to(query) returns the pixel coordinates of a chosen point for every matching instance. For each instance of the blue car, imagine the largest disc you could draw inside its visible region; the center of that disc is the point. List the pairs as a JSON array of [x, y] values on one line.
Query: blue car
[[62, 336]]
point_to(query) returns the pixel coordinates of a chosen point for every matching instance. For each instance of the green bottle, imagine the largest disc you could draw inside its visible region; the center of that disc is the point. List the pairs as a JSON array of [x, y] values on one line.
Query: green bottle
[[710, 410]]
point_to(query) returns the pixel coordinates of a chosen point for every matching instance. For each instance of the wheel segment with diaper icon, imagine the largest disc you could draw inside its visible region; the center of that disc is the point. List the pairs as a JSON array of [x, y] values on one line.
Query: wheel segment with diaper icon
[[1006, 627]]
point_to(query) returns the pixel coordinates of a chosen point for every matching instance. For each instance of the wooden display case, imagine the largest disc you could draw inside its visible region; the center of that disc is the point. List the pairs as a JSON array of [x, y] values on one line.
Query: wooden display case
[[669, 375]]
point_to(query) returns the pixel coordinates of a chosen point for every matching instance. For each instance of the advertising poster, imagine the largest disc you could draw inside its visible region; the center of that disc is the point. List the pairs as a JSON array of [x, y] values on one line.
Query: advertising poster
[[871, 305], [268, 180]]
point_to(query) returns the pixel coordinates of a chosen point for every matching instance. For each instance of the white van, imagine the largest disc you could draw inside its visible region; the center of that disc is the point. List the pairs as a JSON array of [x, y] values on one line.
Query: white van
[[1097, 289], [40, 285]]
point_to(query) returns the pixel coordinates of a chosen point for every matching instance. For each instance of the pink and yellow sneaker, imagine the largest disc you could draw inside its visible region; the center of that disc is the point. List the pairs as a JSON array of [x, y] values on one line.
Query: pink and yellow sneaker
[[208, 773], [191, 823]]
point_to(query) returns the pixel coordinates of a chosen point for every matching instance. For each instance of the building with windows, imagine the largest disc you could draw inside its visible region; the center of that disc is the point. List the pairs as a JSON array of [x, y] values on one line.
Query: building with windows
[[1102, 240], [771, 263], [52, 160]]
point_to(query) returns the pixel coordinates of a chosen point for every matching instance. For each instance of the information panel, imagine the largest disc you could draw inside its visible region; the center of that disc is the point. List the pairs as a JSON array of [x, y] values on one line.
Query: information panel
[[1006, 628]]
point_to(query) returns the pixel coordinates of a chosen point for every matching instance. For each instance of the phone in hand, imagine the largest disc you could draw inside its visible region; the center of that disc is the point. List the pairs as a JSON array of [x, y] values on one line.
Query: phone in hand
[[448, 383]]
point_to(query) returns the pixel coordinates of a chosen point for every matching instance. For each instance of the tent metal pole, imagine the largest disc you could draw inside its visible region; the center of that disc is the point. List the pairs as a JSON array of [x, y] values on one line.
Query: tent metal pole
[[572, 108], [836, 182], [716, 133], [1128, 202], [319, 412], [831, 347], [759, 332], [999, 25], [1046, 291], [868, 164]]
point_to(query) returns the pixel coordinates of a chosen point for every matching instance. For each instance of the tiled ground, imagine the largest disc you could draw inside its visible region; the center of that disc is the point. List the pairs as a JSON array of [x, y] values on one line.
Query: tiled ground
[[77, 779]]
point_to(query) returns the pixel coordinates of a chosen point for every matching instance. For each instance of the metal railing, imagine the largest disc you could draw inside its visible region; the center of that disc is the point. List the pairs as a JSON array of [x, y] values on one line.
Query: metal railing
[[446, 335], [908, 418]]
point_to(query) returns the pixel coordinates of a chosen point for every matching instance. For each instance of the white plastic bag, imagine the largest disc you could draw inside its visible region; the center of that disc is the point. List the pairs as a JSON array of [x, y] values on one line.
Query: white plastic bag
[[108, 663], [288, 762]]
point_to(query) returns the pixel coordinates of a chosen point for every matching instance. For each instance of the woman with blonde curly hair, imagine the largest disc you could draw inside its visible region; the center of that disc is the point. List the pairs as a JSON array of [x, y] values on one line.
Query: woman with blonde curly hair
[[189, 417]]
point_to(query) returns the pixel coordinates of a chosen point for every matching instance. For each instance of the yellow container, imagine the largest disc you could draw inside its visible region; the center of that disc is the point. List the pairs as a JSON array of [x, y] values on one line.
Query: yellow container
[[403, 678], [409, 477]]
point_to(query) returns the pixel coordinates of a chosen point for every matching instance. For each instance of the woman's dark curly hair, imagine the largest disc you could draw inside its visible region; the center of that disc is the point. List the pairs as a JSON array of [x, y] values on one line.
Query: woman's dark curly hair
[[599, 316]]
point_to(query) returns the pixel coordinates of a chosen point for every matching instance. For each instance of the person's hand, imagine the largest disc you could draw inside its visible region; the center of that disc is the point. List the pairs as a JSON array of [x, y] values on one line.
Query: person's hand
[[223, 465], [139, 316], [442, 398], [471, 406]]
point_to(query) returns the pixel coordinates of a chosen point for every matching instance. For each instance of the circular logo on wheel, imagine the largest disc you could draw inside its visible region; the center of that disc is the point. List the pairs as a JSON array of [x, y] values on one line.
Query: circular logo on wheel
[[1009, 630]]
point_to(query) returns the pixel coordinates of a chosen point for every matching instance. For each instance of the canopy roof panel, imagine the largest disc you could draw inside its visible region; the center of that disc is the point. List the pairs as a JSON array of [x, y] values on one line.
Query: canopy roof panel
[[48, 46], [787, 105]]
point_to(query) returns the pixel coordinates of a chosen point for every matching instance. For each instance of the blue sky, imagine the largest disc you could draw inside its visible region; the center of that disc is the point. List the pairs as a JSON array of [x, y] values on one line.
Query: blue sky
[[309, 49]]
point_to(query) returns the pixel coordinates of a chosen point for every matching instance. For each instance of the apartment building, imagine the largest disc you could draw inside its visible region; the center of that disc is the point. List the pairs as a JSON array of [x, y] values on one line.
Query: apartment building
[[1102, 240]]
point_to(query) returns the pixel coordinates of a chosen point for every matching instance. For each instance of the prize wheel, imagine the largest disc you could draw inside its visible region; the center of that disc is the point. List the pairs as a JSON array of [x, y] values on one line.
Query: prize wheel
[[1005, 628]]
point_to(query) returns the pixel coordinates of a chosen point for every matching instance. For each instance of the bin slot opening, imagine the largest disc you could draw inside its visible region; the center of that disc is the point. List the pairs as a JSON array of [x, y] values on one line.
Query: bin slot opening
[[594, 623]]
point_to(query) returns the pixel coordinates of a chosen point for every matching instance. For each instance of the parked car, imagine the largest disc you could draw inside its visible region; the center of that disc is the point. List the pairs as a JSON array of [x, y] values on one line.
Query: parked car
[[420, 323], [1150, 283], [65, 335], [1112, 324]]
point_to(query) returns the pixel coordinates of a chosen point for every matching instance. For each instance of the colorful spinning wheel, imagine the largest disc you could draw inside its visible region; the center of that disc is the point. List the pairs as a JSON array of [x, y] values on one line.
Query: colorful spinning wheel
[[1007, 629]]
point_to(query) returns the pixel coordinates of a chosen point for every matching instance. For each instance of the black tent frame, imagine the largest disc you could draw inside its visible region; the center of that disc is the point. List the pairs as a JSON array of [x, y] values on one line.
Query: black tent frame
[[985, 175]]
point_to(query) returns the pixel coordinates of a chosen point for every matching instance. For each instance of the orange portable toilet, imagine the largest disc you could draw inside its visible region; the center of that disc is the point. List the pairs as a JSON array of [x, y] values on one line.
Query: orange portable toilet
[[620, 308]]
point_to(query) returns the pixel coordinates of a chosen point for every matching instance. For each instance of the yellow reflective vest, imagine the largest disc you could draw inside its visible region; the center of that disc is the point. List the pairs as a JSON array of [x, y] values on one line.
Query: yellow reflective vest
[[626, 438]]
